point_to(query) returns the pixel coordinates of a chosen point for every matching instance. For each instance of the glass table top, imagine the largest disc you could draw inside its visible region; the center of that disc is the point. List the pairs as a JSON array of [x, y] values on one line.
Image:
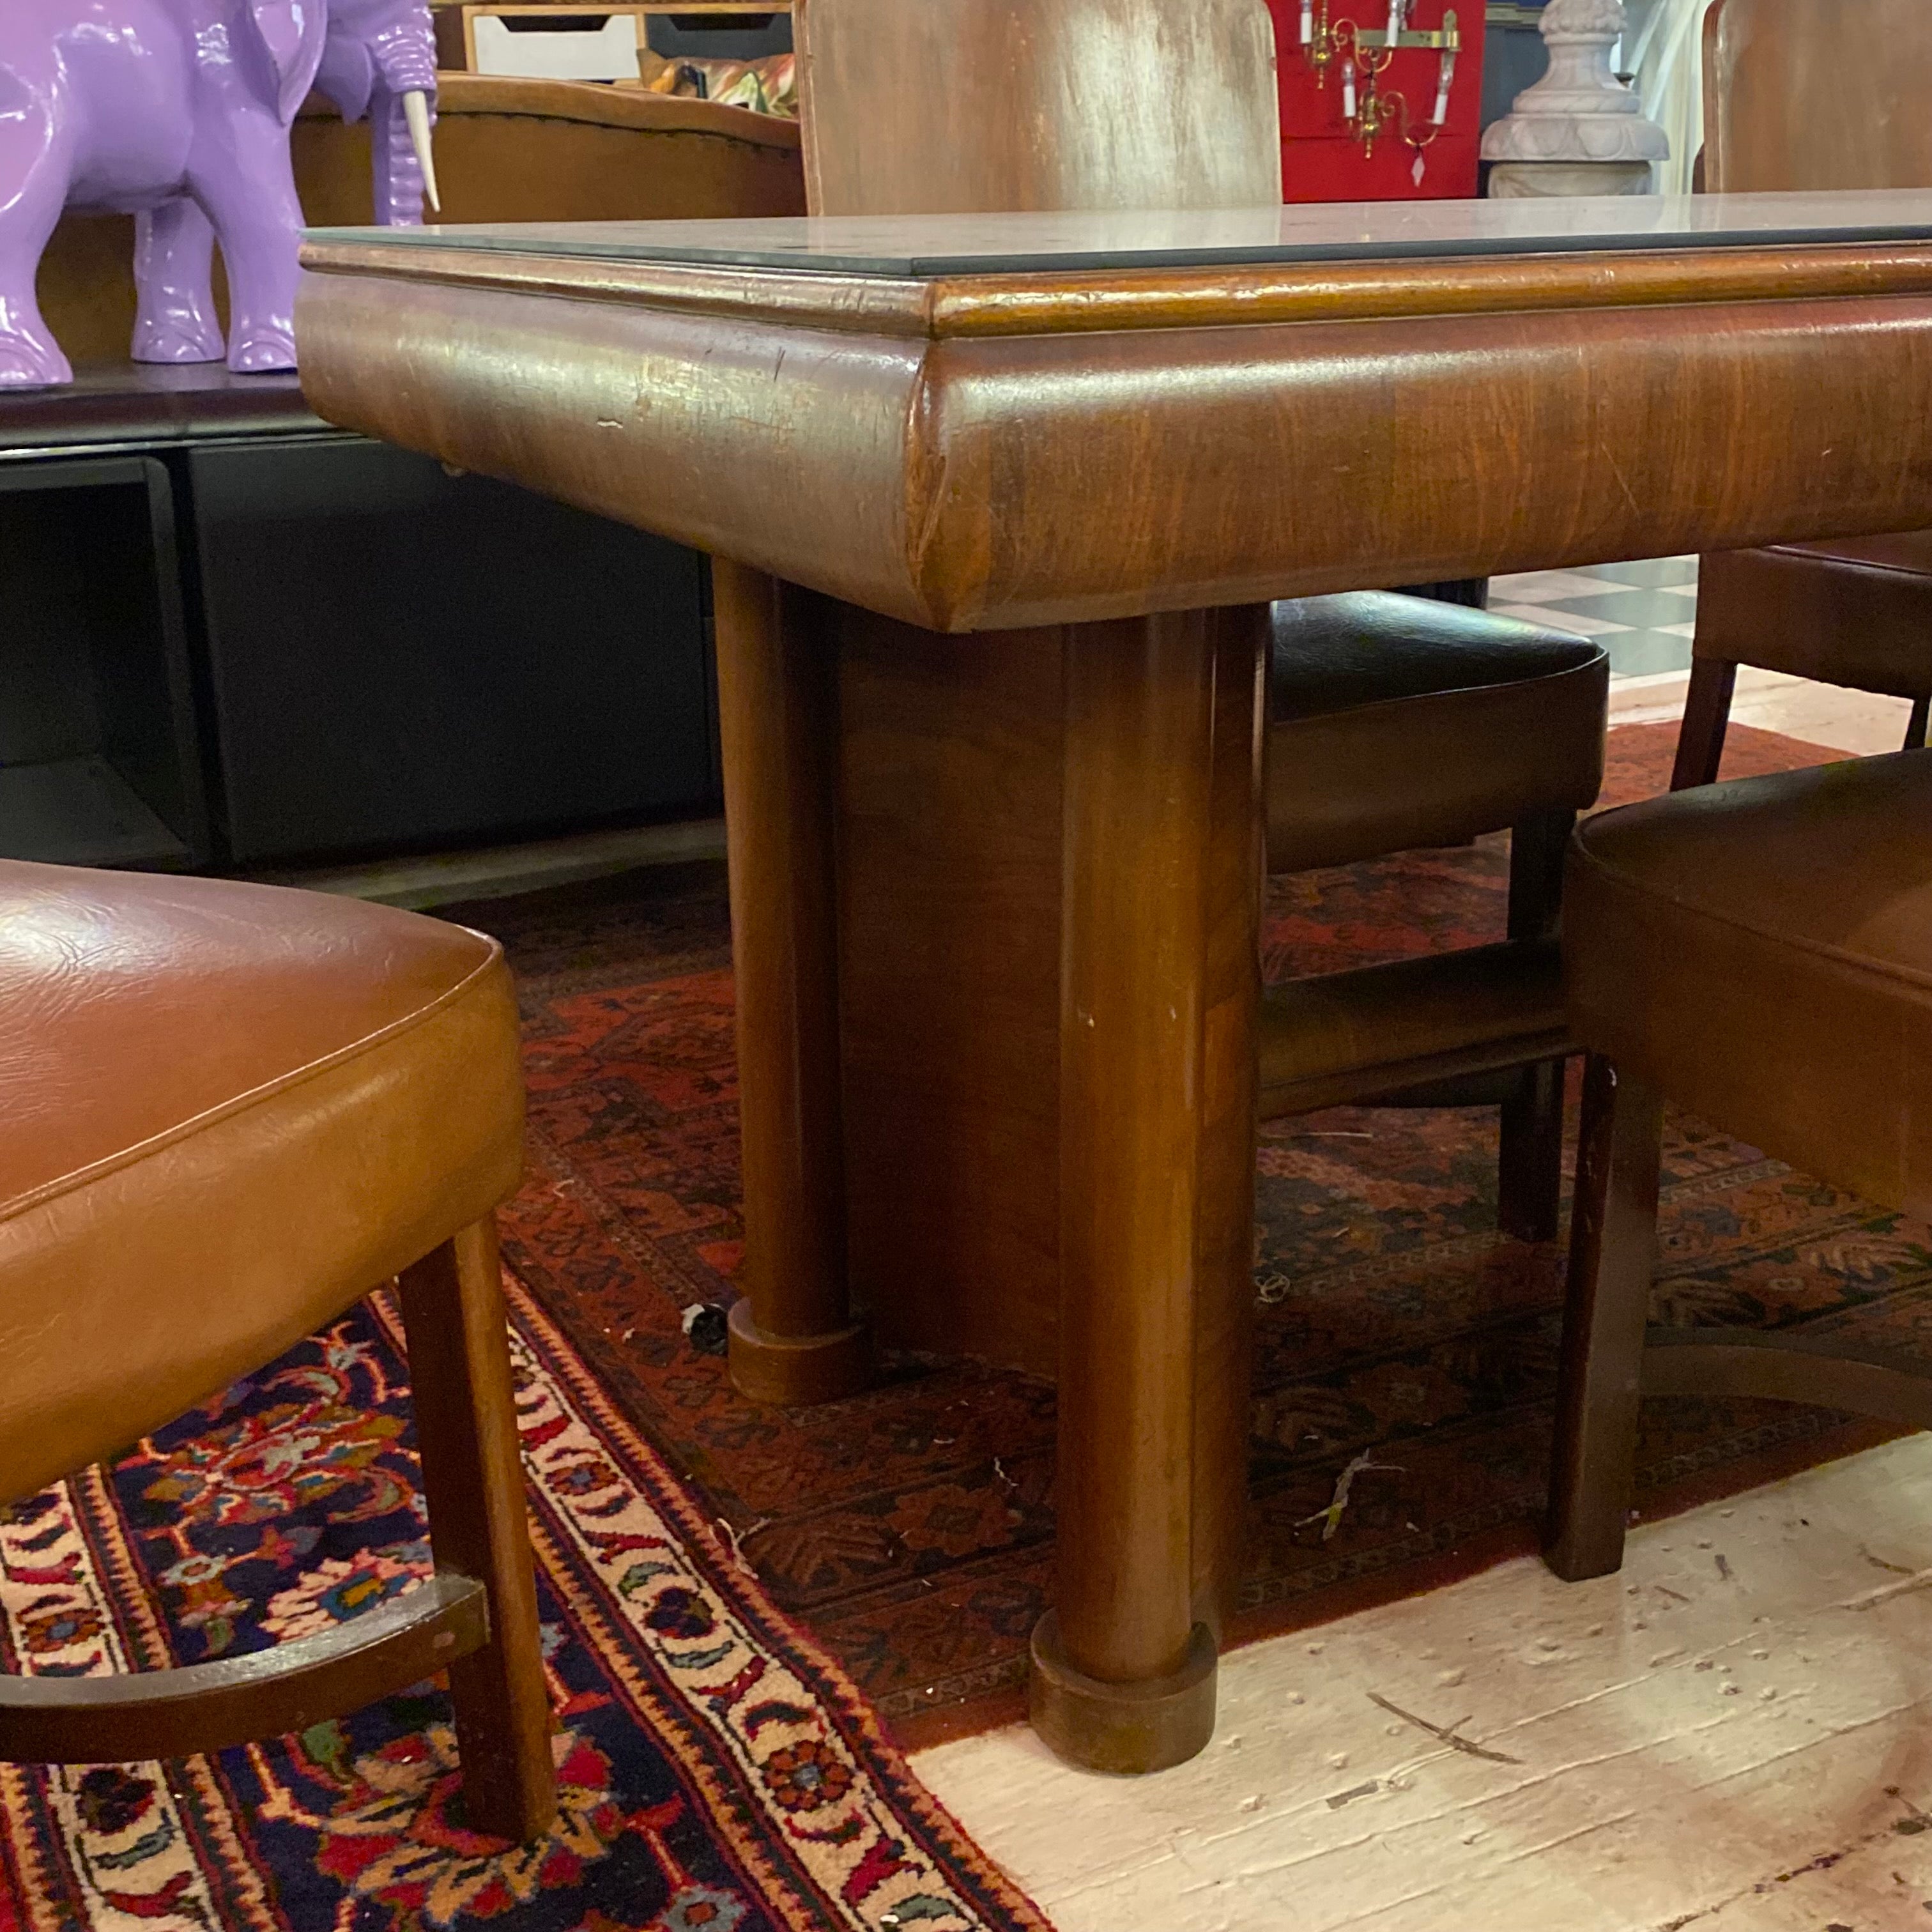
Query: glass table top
[[931, 247]]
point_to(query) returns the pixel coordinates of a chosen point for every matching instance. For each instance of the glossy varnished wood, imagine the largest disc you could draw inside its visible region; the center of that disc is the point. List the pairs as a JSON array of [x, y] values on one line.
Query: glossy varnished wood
[[465, 1411], [794, 1339], [1159, 983], [1080, 301], [878, 467]]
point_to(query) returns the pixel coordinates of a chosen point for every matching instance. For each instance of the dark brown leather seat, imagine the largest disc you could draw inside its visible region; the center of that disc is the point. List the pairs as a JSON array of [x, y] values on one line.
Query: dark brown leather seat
[[1760, 952], [1399, 721], [231, 1112], [1791, 104]]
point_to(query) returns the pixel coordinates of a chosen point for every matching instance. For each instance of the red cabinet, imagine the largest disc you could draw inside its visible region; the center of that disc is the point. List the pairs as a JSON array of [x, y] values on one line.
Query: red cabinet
[[1322, 160]]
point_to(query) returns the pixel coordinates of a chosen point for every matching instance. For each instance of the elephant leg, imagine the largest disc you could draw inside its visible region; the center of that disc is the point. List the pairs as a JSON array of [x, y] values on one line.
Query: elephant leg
[[249, 192], [35, 170], [174, 265]]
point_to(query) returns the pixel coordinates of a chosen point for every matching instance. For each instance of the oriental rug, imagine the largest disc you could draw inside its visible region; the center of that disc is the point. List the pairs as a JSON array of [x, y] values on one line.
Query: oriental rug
[[716, 1772], [910, 1531]]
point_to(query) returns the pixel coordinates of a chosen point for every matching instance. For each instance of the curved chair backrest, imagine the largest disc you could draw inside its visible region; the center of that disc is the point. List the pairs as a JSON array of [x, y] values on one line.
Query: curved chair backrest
[[973, 106], [1817, 95]]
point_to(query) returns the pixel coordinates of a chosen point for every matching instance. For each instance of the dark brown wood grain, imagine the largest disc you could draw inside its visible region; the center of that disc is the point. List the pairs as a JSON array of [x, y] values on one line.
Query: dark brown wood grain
[[880, 468]]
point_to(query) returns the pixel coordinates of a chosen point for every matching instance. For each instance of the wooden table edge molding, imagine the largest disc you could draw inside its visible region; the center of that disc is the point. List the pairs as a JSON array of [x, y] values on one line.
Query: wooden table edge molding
[[996, 897], [916, 405], [1014, 303]]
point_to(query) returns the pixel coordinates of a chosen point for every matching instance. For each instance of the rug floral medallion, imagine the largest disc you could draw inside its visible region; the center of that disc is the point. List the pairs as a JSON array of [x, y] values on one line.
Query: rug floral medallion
[[715, 1773]]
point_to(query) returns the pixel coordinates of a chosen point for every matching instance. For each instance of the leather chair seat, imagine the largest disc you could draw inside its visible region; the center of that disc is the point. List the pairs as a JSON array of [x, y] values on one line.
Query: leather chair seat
[[1762, 951], [1398, 721], [1856, 612], [230, 1110]]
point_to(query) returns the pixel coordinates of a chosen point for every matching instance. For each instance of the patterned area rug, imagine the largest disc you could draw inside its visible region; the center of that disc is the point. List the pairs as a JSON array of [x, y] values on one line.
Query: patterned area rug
[[911, 1531], [716, 1773]]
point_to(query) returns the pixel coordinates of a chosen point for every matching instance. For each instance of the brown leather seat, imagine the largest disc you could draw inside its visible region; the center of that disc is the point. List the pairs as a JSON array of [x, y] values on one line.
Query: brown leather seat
[[1760, 952], [1399, 721], [1791, 104], [1857, 613], [231, 1110]]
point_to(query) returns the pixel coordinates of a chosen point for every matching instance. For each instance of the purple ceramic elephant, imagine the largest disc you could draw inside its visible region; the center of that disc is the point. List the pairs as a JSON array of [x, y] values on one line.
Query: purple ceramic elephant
[[178, 111]]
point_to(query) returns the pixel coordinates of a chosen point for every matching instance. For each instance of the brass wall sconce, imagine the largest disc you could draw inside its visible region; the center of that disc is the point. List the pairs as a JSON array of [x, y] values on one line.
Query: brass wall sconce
[[1371, 108]]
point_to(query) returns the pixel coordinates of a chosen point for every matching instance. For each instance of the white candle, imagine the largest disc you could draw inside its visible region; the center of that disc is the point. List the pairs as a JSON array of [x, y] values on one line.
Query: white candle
[[1396, 9], [1442, 89], [1349, 90], [1308, 22]]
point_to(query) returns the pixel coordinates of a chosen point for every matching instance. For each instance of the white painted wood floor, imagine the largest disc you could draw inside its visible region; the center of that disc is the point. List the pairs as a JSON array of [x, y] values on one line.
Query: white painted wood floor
[[1734, 1735]]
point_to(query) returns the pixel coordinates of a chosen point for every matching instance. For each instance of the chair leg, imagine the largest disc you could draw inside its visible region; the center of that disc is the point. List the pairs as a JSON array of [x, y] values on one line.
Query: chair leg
[[1707, 715], [1530, 1190], [466, 1428], [1612, 1257], [1530, 1180], [1914, 730]]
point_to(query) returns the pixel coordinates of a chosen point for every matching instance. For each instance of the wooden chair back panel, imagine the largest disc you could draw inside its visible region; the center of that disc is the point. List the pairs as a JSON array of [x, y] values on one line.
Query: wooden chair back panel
[[1817, 95], [975, 106]]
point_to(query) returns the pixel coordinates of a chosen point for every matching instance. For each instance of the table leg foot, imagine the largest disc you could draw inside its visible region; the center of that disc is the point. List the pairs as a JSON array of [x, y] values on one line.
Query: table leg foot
[[791, 1372], [1127, 1729]]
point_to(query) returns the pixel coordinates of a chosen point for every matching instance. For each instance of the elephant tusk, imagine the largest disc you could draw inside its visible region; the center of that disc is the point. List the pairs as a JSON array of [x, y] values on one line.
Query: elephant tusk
[[415, 112]]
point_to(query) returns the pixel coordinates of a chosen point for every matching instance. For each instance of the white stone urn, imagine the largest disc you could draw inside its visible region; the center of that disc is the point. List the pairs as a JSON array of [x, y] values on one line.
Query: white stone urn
[[1580, 129]]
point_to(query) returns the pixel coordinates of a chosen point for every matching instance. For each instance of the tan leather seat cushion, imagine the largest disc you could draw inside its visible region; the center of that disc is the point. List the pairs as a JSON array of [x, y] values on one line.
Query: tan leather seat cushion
[[1399, 721], [1762, 951], [230, 1112], [1857, 611]]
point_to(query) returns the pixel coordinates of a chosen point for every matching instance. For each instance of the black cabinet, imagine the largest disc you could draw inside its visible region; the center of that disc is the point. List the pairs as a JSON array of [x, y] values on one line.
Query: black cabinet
[[232, 636], [398, 657], [99, 762]]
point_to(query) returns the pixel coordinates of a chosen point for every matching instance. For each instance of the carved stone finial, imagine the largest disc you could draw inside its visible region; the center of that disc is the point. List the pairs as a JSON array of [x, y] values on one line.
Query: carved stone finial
[[1584, 16], [1580, 113]]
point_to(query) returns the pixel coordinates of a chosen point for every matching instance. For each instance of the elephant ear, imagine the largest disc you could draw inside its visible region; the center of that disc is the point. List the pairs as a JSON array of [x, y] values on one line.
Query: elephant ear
[[291, 32], [347, 75]]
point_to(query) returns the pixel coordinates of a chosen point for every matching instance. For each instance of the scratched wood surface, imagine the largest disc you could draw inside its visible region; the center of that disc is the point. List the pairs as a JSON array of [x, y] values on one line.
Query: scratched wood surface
[[1735, 1734]]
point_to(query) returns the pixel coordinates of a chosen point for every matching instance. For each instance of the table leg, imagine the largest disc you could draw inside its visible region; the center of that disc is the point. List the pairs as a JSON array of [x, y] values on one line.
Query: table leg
[[794, 1339], [1160, 978]]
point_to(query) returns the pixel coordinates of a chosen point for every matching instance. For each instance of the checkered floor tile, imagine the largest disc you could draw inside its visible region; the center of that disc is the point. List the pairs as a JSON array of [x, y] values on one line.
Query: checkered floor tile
[[1645, 614]]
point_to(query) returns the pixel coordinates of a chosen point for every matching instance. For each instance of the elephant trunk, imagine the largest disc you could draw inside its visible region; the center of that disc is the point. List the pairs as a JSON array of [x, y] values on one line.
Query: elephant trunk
[[401, 112]]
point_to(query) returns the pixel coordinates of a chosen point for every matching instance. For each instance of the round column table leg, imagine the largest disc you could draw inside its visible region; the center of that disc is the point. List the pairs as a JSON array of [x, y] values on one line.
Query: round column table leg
[[792, 1338], [1160, 981]]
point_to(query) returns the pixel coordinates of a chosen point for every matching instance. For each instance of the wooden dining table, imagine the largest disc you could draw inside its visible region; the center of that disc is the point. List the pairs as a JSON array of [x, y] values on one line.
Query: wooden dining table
[[998, 505]]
